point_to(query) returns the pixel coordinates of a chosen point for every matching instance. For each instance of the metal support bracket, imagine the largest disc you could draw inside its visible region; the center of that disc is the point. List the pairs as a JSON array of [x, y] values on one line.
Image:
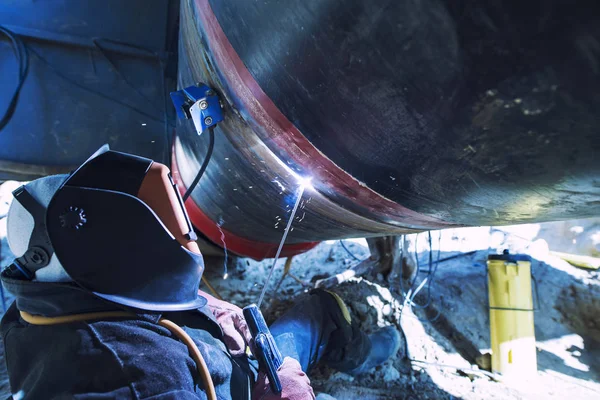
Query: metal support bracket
[[200, 103]]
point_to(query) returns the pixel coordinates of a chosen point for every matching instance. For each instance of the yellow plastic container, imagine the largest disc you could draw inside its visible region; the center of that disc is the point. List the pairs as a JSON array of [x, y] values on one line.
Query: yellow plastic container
[[511, 316]]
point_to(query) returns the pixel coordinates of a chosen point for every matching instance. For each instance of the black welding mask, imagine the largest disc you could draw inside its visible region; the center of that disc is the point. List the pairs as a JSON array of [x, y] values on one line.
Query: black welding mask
[[118, 227]]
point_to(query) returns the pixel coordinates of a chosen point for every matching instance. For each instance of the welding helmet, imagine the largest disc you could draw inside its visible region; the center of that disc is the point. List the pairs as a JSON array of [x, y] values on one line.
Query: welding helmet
[[116, 227]]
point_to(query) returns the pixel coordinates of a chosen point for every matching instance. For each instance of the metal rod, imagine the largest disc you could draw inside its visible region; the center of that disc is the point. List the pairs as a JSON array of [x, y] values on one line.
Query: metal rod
[[285, 233]]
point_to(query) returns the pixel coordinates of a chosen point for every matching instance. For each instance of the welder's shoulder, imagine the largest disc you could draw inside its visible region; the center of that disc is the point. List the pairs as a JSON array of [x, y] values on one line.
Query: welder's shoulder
[[98, 359]]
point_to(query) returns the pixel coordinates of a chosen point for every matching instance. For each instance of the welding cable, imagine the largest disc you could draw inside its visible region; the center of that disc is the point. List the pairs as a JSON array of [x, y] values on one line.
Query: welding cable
[[432, 271], [407, 297], [196, 355], [211, 146], [175, 329], [22, 56], [348, 251], [414, 291], [454, 256], [97, 42], [75, 83], [402, 293]]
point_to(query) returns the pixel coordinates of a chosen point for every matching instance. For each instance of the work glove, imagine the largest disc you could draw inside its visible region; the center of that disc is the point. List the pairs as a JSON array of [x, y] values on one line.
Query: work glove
[[294, 383], [231, 319]]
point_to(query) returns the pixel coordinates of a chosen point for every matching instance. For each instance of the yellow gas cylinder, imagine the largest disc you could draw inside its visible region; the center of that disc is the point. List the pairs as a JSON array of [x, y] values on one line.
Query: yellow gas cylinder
[[511, 315]]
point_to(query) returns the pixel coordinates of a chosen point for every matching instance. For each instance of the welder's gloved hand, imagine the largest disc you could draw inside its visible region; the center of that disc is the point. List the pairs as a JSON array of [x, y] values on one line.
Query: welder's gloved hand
[[294, 383], [231, 319]]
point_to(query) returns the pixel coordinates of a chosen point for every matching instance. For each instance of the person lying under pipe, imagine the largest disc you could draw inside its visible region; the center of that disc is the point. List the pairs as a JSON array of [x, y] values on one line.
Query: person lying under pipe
[[107, 304]]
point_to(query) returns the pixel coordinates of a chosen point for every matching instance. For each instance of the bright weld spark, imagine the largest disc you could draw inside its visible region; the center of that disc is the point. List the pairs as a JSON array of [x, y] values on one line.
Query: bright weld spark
[[305, 182], [279, 184]]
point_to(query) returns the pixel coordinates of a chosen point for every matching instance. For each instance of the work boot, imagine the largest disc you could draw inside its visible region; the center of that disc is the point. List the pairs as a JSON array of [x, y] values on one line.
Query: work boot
[[350, 350], [385, 343]]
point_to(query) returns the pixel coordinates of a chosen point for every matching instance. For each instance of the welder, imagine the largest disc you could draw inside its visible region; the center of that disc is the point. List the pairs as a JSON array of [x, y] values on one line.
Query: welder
[[107, 304]]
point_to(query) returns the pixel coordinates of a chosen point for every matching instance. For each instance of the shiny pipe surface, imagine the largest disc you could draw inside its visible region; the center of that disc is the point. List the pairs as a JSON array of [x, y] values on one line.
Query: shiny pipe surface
[[407, 117]]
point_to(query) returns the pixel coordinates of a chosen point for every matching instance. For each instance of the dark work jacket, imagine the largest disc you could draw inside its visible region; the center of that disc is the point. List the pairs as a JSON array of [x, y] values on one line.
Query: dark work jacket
[[114, 358]]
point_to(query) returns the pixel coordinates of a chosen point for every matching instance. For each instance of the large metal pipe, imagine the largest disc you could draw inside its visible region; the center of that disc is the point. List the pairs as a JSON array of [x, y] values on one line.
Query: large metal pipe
[[407, 115]]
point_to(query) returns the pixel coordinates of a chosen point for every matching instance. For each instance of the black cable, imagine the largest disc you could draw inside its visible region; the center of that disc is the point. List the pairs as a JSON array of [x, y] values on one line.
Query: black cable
[[412, 299], [418, 266], [432, 271], [535, 296], [166, 103], [411, 303], [402, 271], [209, 152], [22, 56], [87, 89], [22, 51], [348, 251], [97, 41], [402, 237], [432, 268], [452, 257], [430, 253], [115, 67]]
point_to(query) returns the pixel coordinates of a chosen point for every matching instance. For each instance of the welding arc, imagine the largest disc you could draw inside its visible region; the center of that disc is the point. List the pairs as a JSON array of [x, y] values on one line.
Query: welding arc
[[211, 146]]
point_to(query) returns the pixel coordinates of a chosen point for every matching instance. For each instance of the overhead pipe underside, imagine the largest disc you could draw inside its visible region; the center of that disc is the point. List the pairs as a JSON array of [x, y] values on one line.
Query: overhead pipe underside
[[407, 118]]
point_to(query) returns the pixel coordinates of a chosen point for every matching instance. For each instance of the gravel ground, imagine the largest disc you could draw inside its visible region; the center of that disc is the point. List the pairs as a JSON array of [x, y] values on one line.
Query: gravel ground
[[567, 322], [449, 336]]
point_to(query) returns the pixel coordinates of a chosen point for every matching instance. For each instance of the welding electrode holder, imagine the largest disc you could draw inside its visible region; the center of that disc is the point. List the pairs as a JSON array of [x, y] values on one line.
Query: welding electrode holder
[[267, 353]]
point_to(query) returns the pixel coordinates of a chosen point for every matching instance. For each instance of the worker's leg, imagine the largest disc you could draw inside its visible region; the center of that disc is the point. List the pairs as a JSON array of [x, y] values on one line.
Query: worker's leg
[[320, 327]]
